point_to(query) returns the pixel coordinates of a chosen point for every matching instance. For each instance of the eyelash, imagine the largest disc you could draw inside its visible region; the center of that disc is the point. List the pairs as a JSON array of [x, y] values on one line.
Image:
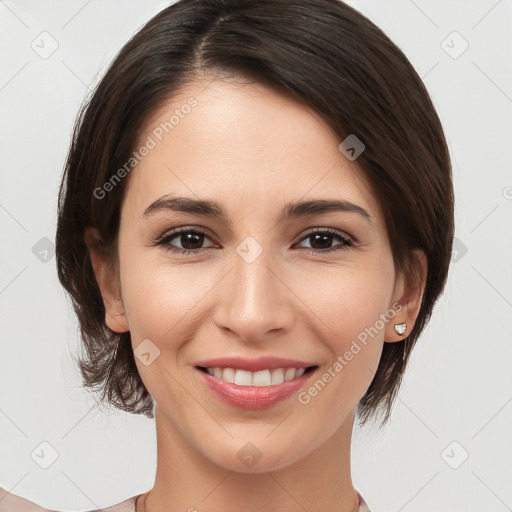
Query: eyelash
[[348, 242]]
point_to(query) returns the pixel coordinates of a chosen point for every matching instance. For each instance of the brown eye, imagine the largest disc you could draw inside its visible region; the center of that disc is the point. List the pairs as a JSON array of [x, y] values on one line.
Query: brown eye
[[321, 241], [191, 241]]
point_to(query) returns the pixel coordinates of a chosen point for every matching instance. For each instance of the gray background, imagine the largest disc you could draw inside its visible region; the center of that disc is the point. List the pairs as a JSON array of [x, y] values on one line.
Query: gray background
[[456, 399]]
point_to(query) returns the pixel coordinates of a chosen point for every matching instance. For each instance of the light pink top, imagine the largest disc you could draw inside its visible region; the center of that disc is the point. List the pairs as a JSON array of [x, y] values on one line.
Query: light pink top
[[12, 503]]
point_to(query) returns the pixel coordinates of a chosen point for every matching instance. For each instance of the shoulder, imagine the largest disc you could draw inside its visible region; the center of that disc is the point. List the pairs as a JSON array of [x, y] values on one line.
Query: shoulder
[[11, 503], [363, 506], [125, 506]]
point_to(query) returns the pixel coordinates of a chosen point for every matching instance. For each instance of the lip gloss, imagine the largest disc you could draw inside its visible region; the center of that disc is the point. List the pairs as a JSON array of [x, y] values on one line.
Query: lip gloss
[[252, 397]]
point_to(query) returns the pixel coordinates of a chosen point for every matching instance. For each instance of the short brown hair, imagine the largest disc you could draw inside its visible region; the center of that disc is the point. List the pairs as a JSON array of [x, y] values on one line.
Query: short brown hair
[[322, 53]]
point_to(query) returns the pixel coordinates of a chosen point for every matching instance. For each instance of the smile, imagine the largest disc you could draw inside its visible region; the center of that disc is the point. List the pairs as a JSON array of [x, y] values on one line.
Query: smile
[[254, 390], [269, 377]]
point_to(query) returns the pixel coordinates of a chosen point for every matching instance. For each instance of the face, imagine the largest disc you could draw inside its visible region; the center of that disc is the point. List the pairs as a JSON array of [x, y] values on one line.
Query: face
[[266, 279]]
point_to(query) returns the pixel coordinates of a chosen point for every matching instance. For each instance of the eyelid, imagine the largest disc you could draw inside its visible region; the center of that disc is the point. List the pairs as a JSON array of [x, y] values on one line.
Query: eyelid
[[330, 231], [205, 231], [349, 242], [183, 229]]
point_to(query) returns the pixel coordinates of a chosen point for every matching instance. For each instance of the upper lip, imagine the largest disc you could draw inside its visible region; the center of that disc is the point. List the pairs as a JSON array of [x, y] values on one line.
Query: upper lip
[[253, 365]]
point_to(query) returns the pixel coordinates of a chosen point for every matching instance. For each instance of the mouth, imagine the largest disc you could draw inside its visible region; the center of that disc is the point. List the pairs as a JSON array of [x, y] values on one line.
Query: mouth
[[261, 389], [261, 378]]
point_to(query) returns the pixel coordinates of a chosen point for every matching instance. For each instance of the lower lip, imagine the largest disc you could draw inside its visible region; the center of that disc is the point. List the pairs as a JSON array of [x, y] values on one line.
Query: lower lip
[[253, 397]]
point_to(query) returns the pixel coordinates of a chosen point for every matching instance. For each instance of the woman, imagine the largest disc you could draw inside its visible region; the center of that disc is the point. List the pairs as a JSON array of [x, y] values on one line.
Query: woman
[[255, 223]]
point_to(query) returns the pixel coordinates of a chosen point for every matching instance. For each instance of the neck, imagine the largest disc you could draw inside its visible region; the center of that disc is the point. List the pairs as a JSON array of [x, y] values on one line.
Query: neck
[[186, 480]]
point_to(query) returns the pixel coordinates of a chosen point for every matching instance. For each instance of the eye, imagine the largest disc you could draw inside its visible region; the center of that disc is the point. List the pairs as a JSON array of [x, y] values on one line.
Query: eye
[[321, 239], [190, 240]]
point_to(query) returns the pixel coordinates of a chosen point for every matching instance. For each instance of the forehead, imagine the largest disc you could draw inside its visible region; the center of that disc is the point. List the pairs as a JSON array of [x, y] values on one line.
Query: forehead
[[244, 144]]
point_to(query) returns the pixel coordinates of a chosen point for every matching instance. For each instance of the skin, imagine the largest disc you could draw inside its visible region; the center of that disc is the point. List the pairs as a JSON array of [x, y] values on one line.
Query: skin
[[252, 149]]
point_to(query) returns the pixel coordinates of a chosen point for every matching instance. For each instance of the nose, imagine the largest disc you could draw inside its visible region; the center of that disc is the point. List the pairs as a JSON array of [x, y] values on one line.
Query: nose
[[254, 300]]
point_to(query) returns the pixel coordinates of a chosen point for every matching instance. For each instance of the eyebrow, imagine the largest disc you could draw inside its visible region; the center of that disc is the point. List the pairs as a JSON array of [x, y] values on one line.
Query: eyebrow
[[291, 210]]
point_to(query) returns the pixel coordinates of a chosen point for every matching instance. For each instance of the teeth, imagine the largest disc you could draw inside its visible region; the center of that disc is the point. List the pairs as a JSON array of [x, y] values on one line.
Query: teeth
[[290, 374], [243, 378], [261, 378], [277, 376]]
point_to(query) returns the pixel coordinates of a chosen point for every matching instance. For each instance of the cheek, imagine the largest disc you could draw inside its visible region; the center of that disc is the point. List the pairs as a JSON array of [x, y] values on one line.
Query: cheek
[[339, 302], [163, 299], [347, 300], [350, 330], [350, 306]]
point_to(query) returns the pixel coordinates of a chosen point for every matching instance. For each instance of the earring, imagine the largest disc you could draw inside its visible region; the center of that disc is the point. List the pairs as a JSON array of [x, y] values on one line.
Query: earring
[[400, 328]]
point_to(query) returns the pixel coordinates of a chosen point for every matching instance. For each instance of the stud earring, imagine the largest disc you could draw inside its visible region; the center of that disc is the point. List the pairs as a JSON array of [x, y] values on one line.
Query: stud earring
[[400, 328]]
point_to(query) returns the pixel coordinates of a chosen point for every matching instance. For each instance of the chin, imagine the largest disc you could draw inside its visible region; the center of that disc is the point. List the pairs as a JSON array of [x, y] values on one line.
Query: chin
[[254, 455]]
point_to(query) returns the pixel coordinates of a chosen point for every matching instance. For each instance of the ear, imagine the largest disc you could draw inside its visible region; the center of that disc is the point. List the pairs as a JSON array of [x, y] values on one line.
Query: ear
[[115, 314], [409, 295]]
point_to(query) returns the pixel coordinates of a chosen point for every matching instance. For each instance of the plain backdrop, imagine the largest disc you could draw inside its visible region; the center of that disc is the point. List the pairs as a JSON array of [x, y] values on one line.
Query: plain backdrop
[[449, 443]]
